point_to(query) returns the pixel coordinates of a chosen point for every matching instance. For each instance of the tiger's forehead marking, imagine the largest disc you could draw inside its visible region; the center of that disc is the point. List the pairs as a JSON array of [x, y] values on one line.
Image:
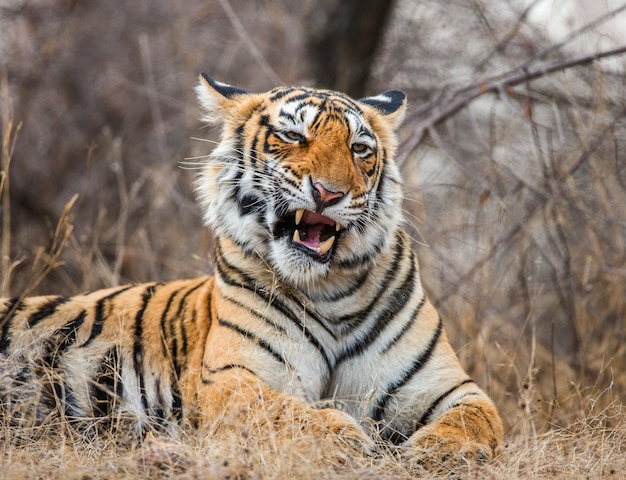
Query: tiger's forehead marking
[[302, 107]]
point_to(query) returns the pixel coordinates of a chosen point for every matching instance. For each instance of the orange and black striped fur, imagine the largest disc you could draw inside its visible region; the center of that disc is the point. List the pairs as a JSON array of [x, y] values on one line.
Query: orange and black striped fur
[[316, 296]]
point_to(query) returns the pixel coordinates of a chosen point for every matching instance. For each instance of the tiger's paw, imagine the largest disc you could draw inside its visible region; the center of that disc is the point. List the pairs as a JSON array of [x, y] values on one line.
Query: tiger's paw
[[436, 452], [346, 431], [330, 425], [267, 416]]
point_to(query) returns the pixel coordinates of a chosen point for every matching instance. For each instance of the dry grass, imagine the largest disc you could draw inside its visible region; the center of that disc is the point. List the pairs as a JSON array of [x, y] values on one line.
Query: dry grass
[[586, 449], [515, 203]]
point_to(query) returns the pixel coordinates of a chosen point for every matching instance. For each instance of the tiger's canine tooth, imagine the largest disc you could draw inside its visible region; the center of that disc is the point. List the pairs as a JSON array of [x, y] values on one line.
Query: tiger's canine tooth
[[296, 236], [337, 227], [326, 244], [299, 214]]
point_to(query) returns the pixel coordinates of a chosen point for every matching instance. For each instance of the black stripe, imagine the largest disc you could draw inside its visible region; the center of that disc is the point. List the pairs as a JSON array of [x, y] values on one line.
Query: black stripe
[[264, 121], [45, 310], [288, 116], [260, 316], [171, 336], [99, 317], [425, 418], [280, 92], [278, 151], [227, 271], [224, 368], [249, 204], [62, 395], [295, 319], [177, 398], [230, 366], [258, 341], [303, 94], [270, 298], [370, 173], [418, 363], [174, 335], [321, 109], [184, 341], [168, 338], [15, 305], [138, 345], [379, 191], [107, 389], [159, 409], [253, 150], [236, 182], [62, 339], [68, 333], [350, 321], [179, 315], [360, 260], [395, 304], [407, 326], [350, 290]]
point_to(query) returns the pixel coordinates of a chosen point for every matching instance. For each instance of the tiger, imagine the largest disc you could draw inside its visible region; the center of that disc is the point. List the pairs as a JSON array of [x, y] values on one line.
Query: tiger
[[316, 300]]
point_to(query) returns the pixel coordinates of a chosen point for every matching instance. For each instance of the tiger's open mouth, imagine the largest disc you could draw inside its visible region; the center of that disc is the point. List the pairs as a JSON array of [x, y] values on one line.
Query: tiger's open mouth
[[310, 232]]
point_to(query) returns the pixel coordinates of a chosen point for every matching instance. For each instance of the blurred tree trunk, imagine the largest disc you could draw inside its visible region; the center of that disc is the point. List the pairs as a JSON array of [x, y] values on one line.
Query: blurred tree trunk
[[342, 36]]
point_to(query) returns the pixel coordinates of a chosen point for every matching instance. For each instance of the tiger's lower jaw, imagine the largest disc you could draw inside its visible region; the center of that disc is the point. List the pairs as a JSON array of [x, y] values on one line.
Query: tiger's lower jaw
[[298, 267], [310, 233], [322, 253]]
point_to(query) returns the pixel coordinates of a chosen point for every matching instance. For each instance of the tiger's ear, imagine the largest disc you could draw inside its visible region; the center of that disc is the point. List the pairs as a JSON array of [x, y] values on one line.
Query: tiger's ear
[[216, 98], [391, 104]]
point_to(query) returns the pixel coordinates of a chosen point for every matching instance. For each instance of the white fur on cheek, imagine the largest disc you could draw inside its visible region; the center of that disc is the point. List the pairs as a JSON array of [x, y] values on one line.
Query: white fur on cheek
[[215, 189]]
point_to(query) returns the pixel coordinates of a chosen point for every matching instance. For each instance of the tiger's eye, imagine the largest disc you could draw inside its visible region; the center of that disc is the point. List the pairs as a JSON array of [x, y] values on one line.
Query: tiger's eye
[[361, 149], [294, 137]]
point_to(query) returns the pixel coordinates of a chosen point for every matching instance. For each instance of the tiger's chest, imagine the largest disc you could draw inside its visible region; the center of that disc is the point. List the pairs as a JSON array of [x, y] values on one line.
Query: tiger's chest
[[301, 351]]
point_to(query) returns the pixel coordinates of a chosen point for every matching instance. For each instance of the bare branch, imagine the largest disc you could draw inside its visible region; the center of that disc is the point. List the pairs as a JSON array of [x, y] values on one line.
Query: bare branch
[[447, 105], [586, 27], [534, 208], [502, 44]]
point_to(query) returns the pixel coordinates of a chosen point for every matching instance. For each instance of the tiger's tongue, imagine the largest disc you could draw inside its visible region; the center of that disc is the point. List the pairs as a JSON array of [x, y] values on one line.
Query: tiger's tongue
[[310, 235], [311, 227]]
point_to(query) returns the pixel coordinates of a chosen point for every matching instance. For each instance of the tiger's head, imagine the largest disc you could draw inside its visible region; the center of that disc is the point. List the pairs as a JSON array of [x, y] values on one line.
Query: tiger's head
[[302, 177]]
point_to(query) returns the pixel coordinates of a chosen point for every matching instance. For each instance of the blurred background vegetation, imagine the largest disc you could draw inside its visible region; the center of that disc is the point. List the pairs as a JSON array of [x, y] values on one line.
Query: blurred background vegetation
[[514, 154]]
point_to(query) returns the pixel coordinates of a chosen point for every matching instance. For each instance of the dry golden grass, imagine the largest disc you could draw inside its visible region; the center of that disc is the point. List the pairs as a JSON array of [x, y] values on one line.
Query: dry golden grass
[[587, 449]]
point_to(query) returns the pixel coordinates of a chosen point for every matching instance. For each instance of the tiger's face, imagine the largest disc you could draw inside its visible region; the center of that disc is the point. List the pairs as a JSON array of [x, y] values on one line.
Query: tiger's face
[[304, 178]]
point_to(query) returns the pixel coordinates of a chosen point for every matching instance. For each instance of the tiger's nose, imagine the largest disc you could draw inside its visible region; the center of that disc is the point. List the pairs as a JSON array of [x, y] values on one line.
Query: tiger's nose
[[324, 197]]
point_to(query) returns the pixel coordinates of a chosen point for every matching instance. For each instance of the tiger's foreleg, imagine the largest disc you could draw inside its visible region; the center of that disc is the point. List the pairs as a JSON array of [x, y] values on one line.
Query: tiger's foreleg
[[235, 401]]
